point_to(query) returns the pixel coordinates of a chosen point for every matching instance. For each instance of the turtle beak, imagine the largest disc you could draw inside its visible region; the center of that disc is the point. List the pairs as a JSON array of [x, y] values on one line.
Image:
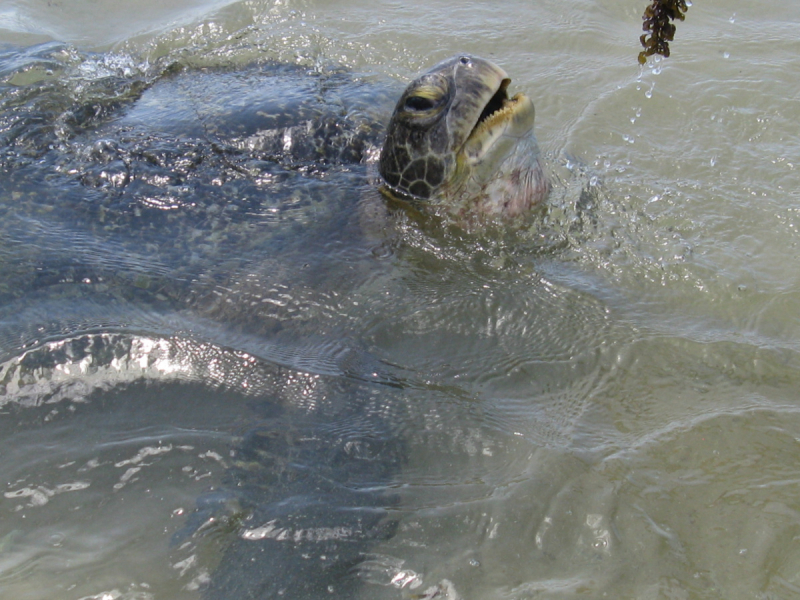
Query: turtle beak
[[502, 117], [494, 104]]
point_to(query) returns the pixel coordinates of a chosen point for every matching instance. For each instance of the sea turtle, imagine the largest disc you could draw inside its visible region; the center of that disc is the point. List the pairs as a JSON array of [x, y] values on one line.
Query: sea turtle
[[195, 174], [214, 207]]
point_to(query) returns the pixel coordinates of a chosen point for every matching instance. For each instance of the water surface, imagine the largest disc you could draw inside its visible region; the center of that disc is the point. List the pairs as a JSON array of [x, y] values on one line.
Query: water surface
[[604, 405]]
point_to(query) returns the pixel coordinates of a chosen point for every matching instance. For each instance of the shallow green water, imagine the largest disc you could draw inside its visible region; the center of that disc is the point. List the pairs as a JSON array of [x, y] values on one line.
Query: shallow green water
[[604, 407]]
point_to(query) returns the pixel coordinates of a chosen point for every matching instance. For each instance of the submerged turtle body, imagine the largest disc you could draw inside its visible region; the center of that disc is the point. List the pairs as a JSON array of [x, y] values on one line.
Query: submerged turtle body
[[178, 185], [198, 199]]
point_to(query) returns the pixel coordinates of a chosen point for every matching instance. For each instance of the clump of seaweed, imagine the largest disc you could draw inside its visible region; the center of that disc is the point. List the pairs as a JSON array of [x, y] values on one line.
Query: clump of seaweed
[[658, 19]]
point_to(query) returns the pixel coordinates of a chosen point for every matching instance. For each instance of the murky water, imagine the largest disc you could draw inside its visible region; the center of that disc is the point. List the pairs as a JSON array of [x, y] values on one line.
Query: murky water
[[229, 380]]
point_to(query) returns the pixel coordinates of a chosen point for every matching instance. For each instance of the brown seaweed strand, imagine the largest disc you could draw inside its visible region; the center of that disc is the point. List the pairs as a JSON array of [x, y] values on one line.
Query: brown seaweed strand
[[658, 19]]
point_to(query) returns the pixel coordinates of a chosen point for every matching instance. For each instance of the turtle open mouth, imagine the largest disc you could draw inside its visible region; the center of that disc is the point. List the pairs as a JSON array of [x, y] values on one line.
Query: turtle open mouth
[[498, 109], [496, 103]]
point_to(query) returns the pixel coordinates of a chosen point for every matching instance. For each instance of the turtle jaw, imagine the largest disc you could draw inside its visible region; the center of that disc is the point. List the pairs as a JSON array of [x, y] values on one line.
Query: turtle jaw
[[495, 104], [502, 119]]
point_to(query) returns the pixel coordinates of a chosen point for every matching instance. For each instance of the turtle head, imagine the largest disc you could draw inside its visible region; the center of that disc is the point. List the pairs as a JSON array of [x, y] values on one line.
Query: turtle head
[[456, 138]]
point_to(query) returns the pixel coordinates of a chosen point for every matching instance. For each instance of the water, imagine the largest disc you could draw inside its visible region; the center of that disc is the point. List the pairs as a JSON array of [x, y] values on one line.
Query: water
[[603, 407]]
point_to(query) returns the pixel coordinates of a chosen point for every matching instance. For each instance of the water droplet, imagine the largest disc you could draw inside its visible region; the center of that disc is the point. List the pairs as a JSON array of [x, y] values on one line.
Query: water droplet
[[726, 55]]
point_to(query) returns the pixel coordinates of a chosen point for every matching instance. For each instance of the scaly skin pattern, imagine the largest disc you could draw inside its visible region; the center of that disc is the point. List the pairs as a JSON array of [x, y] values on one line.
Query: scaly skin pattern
[[457, 142]]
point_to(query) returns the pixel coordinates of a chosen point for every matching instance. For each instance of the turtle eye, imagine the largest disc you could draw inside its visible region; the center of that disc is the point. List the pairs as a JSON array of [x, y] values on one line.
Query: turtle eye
[[420, 103]]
